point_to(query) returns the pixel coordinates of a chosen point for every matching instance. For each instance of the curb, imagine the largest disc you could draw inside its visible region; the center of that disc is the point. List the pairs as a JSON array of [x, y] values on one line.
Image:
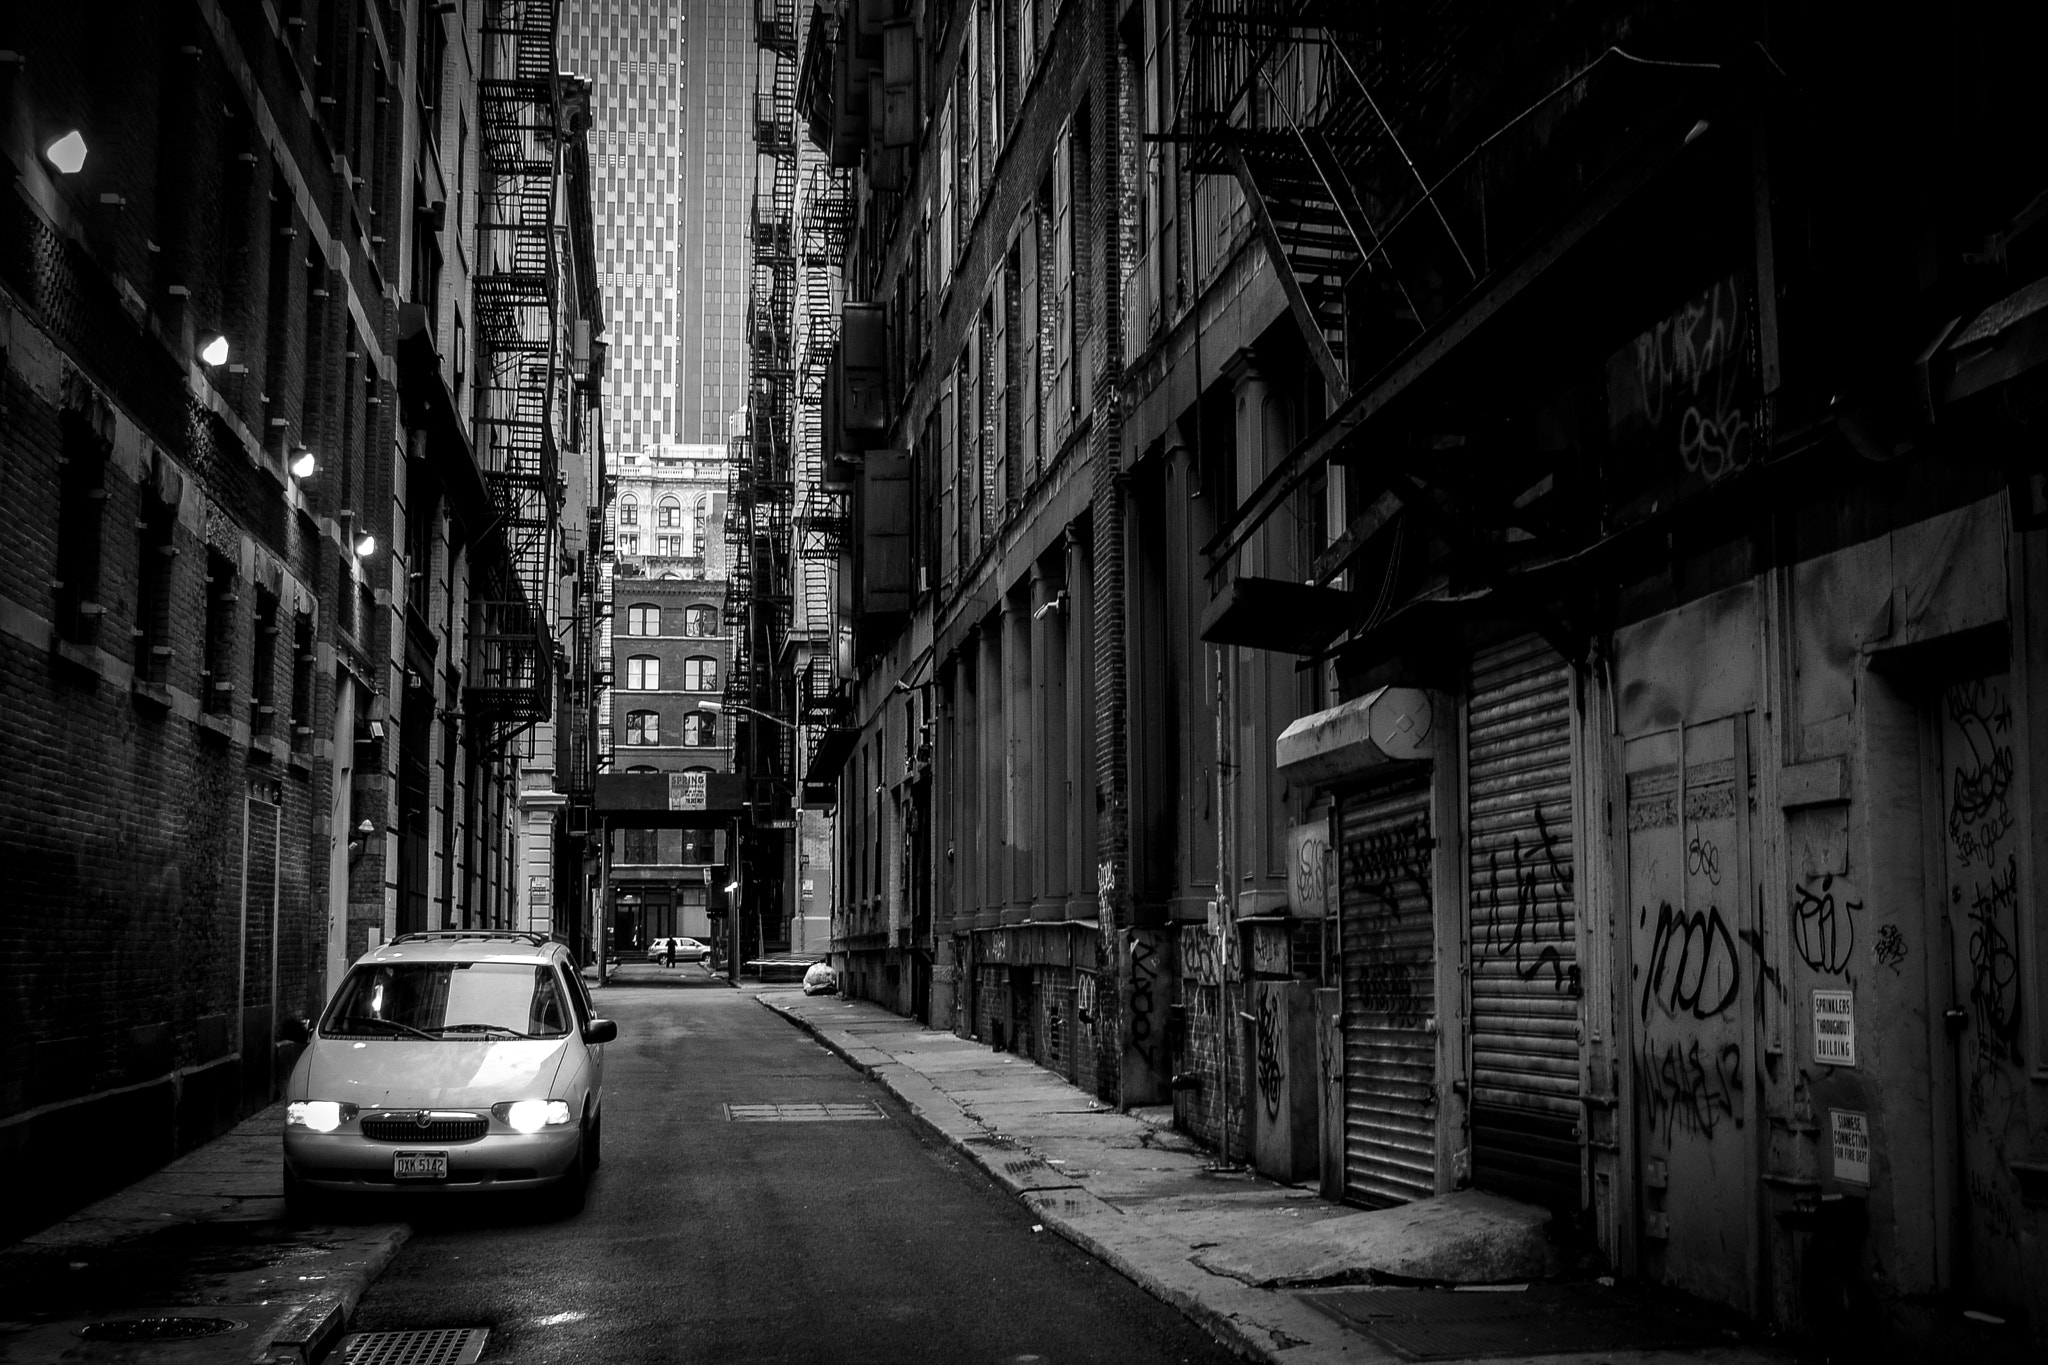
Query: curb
[[1225, 1328], [309, 1332]]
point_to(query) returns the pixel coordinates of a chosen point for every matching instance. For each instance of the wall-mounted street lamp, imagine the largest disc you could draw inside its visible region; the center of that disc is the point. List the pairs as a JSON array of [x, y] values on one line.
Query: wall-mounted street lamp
[[716, 707], [303, 464], [366, 545], [67, 153], [215, 351]]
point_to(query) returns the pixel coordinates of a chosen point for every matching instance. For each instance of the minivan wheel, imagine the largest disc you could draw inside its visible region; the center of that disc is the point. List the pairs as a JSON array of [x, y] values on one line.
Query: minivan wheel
[[574, 1186]]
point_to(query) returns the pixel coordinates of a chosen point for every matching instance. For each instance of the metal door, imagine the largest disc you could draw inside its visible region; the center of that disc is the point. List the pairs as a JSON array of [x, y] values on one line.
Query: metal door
[[1524, 979], [1691, 1007], [1386, 921], [1980, 836]]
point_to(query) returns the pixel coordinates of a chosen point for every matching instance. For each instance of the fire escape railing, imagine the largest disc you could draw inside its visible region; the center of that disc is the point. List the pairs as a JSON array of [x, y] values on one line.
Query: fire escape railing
[[519, 113]]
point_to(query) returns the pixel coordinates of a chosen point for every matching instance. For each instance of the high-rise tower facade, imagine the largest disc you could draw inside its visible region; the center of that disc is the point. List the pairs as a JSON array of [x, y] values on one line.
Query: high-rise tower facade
[[672, 160]]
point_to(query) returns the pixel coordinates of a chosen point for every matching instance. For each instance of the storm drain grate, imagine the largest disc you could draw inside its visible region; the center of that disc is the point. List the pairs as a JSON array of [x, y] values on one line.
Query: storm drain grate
[[801, 1113], [1543, 1319], [415, 1346]]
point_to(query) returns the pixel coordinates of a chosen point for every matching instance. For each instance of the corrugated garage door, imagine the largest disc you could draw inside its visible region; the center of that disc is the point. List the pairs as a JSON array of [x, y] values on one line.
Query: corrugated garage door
[[1384, 857], [1525, 969]]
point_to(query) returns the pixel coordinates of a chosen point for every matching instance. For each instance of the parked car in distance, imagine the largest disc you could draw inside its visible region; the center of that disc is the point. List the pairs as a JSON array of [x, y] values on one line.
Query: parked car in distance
[[451, 1062], [687, 949], [821, 980]]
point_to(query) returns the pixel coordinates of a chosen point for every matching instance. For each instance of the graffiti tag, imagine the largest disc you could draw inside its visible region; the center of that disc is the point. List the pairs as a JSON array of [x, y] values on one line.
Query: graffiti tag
[[1521, 940], [1689, 1089], [1890, 948], [1269, 1071], [1692, 964], [1980, 807], [1823, 932]]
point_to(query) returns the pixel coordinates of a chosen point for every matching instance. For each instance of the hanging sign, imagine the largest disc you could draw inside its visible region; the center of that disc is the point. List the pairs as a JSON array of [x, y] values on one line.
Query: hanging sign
[[686, 791]]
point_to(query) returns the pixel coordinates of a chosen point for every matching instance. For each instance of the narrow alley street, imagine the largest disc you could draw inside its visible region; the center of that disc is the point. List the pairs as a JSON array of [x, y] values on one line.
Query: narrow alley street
[[713, 1235]]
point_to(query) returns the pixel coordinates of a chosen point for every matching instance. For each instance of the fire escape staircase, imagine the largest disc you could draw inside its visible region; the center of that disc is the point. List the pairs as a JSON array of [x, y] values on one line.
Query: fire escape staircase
[[519, 113]]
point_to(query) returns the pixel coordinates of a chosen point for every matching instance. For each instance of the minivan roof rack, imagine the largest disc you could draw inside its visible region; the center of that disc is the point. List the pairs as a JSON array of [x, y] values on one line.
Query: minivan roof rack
[[533, 936]]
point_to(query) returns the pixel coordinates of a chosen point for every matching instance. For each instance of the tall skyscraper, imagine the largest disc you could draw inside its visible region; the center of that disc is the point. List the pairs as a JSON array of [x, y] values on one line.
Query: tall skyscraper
[[673, 163]]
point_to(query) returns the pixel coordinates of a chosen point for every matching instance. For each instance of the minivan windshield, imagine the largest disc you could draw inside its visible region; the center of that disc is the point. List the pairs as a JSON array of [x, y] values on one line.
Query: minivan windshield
[[449, 1000]]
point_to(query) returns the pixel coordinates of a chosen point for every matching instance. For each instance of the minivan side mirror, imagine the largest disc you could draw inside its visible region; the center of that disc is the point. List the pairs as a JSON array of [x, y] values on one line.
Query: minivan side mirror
[[600, 1030]]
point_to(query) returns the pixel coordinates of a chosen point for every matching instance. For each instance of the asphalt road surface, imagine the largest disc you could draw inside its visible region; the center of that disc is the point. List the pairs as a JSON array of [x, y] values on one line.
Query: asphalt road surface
[[707, 1239]]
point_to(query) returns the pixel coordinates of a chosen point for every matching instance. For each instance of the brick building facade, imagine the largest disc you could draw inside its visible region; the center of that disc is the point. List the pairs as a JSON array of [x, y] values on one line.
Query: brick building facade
[[249, 428]]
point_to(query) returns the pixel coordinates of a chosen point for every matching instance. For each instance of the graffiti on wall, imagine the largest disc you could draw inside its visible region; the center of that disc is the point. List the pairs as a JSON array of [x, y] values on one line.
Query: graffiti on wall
[[1981, 825], [1687, 1088], [1147, 1027], [1824, 924], [1685, 386], [1692, 967], [1890, 948], [1268, 1070], [1381, 864], [1524, 926], [1981, 769]]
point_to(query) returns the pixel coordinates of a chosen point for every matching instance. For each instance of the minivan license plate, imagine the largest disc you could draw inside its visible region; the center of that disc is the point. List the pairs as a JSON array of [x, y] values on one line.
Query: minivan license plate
[[419, 1166]]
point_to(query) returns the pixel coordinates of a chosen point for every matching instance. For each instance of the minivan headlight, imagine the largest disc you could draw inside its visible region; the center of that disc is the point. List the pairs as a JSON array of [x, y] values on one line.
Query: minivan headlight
[[321, 1116], [530, 1116]]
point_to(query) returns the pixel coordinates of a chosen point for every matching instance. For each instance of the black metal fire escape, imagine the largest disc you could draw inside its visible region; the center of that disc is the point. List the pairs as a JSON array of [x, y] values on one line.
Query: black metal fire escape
[[519, 111], [760, 692]]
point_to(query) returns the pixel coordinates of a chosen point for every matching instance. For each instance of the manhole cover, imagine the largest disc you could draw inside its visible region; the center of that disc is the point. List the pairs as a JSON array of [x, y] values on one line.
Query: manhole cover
[[415, 1346], [801, 1113], [163, 1328], [1544, 1319]]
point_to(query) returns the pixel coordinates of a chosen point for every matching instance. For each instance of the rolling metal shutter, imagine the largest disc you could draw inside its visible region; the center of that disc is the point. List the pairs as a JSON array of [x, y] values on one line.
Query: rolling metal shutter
[[1523, 934], [1388, 941]]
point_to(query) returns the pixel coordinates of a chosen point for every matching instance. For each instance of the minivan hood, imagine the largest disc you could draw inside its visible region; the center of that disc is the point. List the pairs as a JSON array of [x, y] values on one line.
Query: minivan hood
[[391, 1073]]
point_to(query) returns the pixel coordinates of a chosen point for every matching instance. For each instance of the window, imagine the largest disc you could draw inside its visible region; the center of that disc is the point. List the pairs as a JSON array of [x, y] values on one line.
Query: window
[[643, 727], [629, 512], [263, 673], [700, 621], [640, 846], [643, 673], [629, 545], [700, 674], [643, 620], [700, 730], [216, 672], [303, 659], [156, 556], [643, 768], [82, 501], [669, 515]]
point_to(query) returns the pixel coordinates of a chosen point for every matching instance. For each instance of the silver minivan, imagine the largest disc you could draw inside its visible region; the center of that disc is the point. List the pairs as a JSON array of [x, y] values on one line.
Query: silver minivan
[[450, 1062]]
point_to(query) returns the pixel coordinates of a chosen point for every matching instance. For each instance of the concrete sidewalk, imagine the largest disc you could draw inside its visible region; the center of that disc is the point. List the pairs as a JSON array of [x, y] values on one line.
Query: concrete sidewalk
[[1243, 1256], [203, 1237]]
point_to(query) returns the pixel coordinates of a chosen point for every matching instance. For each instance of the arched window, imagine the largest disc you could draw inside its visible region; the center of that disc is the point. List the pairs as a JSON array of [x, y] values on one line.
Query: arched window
[[643, 768], [643, 727], [629, 512], [643, 673], [700, 768], [700, 674], [700, 729], [642, 619], [700, 621], [669, 515]]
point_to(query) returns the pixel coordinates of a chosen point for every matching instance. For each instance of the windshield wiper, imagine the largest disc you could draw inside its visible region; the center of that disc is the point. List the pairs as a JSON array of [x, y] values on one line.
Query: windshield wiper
[[384, 1023], [495, 1030]]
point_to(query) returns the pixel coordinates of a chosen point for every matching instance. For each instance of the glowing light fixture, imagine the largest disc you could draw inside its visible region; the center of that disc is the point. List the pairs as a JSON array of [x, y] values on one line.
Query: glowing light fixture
[[366, 545], [67, 153], [215, 352], [303, 464]]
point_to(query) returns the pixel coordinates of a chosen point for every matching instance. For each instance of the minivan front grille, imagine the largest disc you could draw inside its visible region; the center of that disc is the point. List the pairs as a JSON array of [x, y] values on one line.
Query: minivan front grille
[[438, 1128]]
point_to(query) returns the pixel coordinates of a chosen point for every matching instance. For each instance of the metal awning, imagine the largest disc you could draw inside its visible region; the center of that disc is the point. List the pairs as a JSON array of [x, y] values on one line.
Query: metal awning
[[1278, 615]]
